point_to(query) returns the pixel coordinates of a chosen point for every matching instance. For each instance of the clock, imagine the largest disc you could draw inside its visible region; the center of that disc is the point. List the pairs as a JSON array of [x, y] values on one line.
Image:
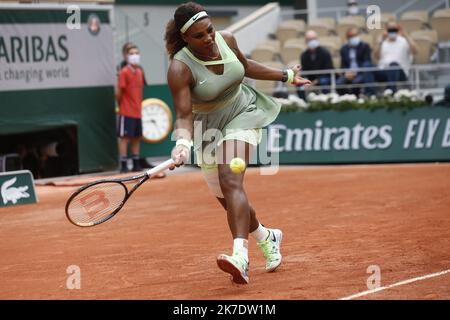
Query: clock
[[156, 120]]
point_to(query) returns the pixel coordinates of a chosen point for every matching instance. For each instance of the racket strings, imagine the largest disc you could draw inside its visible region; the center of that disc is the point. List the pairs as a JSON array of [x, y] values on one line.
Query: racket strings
[[96, 203]]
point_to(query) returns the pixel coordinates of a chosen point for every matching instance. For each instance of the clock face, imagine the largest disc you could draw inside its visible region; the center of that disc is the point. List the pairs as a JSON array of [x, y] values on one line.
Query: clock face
[[156, 120]]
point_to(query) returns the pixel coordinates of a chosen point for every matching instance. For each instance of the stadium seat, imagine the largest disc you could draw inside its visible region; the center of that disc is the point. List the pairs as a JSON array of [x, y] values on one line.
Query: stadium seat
[[330, 22], [299, 41], [274, 43], [292, 51], [359, 21], [323, 26], [423, 52], [299, 24], [285, 32], [424, 46], [333, 44], [419, 14], [319, 28], [263, 53], [290, 29], [440, 21], [334, 41], [414, 20], [387, 17], [428, 33]]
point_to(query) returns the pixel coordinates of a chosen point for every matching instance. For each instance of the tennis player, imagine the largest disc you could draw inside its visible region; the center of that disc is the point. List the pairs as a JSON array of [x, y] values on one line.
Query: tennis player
[[205, 78]]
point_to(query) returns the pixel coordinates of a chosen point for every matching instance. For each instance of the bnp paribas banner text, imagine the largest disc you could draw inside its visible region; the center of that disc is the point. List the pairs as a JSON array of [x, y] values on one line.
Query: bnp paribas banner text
[[64, 48]]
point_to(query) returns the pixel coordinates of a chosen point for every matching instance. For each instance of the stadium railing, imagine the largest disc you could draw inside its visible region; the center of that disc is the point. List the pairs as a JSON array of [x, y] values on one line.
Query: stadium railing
[[415, 79]]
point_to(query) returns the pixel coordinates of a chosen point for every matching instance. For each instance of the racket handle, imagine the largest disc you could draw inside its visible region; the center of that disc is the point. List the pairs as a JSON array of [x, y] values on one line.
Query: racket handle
[[160, 167]]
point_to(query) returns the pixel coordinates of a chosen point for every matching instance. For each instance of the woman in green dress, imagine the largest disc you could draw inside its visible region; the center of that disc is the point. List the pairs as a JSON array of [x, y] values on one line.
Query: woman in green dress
[[222, 118]]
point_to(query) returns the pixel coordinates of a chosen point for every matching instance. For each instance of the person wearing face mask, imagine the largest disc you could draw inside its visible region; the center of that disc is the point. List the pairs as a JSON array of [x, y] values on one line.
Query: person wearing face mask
[[124, 61], [355, 54], [395, 49], [353, 9], [315, 57], [129, 97]]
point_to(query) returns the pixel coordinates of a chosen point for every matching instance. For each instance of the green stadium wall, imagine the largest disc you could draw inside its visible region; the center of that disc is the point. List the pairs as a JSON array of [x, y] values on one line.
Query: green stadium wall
[[354, 136]]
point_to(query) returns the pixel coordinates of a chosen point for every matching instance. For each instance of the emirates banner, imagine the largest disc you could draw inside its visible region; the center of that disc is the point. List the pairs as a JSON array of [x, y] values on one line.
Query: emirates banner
[[361, 136]]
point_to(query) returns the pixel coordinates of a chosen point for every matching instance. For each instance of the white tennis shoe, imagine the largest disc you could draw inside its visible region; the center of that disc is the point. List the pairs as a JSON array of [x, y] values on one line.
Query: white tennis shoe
[[236, 265], [271, 249]]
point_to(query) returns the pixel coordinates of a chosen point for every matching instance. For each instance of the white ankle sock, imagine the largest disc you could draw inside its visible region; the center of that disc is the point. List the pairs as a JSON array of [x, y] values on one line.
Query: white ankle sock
[[240, 246], [261, 233]]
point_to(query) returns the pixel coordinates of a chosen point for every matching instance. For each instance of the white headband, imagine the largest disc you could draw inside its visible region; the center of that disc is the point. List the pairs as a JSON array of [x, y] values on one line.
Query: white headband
[[194, 18]]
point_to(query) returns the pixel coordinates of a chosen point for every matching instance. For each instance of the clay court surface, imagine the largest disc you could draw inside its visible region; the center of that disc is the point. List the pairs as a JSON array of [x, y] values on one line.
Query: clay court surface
[[337, 221]]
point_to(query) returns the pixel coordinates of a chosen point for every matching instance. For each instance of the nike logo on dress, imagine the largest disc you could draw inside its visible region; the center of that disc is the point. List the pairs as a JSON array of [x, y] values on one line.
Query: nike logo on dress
[[202, 82]]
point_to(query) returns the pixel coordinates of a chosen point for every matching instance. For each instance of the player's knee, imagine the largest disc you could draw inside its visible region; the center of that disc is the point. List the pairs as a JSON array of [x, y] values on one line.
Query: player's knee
[[211, 176], [230, 182]]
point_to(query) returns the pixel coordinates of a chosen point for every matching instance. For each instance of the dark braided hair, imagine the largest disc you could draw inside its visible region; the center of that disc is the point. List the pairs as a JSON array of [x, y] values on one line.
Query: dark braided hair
[[183, 13]]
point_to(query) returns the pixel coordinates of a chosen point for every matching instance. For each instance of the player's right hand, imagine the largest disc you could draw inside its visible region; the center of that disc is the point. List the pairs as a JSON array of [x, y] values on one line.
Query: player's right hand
[[180, 155]]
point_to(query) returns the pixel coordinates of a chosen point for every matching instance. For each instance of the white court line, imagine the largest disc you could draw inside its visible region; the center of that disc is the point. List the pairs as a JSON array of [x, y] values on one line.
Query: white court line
[[364, 293]]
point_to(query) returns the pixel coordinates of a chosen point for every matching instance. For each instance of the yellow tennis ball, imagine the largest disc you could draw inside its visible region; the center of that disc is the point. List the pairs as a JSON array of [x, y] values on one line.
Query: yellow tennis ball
[[237, 165]]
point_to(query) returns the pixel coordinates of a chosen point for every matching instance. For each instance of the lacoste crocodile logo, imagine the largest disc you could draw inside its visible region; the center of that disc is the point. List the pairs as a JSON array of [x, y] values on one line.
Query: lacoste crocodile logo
[[13, 194]]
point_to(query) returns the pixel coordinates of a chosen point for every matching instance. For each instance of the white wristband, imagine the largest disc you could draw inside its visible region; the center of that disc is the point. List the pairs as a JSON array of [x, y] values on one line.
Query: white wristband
[[291, 75], [184, 142]]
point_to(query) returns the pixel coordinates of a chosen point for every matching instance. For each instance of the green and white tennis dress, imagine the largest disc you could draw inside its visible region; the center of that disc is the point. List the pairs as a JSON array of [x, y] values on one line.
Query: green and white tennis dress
[[224, 103]]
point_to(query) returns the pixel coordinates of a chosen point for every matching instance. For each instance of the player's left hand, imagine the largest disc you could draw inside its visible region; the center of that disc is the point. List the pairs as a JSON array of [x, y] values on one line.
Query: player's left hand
[[298, 80]]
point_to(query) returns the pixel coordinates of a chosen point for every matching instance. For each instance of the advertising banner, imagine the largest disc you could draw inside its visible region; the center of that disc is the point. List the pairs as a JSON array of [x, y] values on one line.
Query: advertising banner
[[362, 136], [55, 50]]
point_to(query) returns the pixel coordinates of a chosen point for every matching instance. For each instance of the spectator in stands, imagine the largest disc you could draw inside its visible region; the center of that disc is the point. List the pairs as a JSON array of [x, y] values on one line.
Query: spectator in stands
[[353, 9], [395, 49], [315, 57], [355, 54]]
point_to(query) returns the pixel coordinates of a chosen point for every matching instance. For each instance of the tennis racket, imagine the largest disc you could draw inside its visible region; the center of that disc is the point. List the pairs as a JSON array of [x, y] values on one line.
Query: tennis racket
[[99, 201]]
